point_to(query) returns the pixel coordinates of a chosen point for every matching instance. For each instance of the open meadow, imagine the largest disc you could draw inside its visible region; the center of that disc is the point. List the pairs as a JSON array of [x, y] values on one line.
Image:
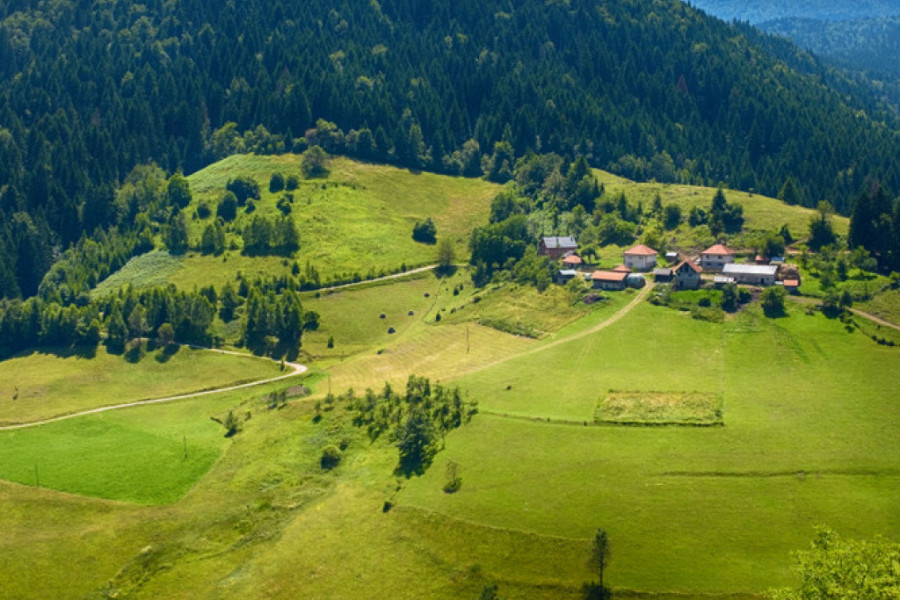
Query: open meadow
[[38, 385]]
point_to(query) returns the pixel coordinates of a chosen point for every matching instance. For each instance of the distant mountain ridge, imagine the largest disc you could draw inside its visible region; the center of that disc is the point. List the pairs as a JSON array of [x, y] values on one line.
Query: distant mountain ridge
[[870, 44], [760, 11]]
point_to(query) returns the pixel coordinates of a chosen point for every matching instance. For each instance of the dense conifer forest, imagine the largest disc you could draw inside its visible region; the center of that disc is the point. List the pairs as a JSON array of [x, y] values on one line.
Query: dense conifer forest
[[652, 90]]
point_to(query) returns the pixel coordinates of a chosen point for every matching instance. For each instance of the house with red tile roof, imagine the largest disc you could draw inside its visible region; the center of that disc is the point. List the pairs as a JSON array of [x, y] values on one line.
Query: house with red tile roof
[[716, 257], [572, 261], [608, 280], [640, 258]]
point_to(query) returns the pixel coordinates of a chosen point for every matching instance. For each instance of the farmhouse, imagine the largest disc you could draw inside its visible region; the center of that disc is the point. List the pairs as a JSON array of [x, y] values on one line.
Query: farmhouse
[[716, 257], [557, 247], [686, 275], [640, 258], [751, 274], [608, 280], [572, 261]]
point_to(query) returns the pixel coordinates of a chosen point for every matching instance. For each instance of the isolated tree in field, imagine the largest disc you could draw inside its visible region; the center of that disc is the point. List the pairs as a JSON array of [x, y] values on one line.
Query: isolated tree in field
[[772, 301], [177, 235], [835, 568], [445, 256], [425, 231], [314, 162], [821, 231], [178, 191], [276, 182], [227, 208], [729, 297], [243, 188], [600, 554]]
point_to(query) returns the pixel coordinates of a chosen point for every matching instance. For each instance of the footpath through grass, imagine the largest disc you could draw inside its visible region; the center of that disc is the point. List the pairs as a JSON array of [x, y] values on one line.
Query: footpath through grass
[[39, 386]]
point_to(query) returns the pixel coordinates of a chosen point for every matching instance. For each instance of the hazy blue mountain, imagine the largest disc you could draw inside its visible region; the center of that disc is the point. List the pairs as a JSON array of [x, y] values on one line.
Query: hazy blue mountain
[[869, 44], [759, 11]]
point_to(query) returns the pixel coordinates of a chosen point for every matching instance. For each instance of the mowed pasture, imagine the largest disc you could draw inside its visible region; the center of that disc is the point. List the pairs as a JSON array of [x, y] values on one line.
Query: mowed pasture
[[807, 440], [40, 385], [134, 455]]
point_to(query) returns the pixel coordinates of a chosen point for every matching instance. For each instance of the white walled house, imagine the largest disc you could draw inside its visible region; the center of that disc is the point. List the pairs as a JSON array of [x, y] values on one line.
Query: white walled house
[[640, 258], [716, 257]]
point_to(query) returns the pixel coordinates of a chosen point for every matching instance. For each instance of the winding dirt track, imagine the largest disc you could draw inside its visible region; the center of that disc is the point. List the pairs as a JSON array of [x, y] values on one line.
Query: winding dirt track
[[575, 336], [295, 369]]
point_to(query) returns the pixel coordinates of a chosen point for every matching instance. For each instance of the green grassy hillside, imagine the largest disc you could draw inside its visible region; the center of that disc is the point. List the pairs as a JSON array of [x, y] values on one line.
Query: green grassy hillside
[[40, 386], [358, 219]]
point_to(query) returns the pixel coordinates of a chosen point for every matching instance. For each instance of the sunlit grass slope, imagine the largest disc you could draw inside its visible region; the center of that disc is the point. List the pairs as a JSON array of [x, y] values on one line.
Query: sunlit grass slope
[[39, 386]]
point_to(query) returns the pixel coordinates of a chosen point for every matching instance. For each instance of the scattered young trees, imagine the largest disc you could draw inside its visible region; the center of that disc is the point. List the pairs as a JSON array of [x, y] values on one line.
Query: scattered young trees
[[416, 422]]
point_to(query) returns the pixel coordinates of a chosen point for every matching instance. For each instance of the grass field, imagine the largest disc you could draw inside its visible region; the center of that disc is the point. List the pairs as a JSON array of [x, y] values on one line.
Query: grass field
[[688, 509], [140, 455], [39, 386]]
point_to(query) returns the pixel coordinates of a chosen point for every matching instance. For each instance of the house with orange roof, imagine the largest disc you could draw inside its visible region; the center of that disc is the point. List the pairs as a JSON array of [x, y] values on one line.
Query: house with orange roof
[[686, 276], [572, 261], [716, 257], [608, 280], [640, 258]]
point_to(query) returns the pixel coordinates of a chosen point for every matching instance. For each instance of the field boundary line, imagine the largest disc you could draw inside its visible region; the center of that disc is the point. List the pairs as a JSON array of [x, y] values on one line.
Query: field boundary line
[[296, 369]]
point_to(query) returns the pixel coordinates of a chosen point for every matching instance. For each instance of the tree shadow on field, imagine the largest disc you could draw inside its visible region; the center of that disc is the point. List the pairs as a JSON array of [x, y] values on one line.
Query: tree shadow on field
[[167, 352]]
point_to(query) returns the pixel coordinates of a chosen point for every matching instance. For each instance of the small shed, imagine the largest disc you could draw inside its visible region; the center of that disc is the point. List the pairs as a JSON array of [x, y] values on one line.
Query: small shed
[[662, 275], [791, 286], [563, 276], [671, 257], [608, 280], [621, 269]]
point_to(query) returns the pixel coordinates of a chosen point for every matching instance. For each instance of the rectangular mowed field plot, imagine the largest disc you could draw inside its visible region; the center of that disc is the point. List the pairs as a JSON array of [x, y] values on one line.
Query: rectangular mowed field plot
[[659, 408]]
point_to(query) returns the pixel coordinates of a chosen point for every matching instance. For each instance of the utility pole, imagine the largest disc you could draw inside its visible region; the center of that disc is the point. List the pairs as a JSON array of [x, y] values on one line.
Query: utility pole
[[184, 437]]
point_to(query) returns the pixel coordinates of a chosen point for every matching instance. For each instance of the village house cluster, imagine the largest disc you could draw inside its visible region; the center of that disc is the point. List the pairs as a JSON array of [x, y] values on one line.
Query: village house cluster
[[716, 265]]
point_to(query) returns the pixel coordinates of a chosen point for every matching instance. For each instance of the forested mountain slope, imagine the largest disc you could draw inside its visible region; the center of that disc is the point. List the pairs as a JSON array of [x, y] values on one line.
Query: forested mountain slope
[[649, 89]]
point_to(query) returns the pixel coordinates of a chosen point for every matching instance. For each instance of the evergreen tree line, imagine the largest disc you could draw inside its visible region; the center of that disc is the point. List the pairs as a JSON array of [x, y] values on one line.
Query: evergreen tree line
[[160, 313], [653, 89], [875, 226]]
